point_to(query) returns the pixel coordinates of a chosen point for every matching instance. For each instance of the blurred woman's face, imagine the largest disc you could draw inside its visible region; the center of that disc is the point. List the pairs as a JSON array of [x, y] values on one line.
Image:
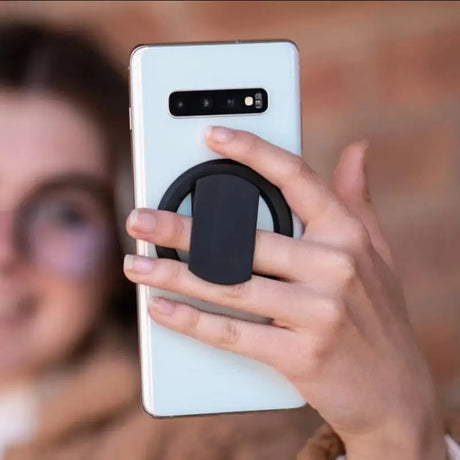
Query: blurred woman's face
[[54, 230]]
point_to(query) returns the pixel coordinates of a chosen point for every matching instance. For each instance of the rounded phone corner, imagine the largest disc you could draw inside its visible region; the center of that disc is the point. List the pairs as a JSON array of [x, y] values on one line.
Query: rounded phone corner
[[292, 45], [303, 403], [148, 410], [136, 53]]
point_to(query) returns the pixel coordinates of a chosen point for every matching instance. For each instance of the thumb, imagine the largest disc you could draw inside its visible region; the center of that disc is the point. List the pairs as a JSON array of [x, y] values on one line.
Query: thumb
[[351, 186]]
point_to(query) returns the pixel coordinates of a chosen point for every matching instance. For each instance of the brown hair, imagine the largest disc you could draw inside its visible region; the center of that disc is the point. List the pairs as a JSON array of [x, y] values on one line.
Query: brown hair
[[34, 57]]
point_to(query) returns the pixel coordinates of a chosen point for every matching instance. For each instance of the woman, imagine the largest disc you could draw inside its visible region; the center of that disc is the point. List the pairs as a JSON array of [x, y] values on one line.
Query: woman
[[68, 371], [69, 374]]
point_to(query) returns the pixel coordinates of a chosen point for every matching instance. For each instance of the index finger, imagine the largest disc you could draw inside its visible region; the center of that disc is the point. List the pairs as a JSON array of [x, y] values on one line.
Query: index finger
[[306, 194]]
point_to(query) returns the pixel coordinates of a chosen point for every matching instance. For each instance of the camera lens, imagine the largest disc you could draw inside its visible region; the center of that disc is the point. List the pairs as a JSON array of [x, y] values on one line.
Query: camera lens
[[180, 105], [230, 102], [206, 102]]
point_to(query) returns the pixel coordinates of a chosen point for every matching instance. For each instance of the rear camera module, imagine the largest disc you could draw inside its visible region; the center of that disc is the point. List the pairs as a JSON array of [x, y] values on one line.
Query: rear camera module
[[206, 102]]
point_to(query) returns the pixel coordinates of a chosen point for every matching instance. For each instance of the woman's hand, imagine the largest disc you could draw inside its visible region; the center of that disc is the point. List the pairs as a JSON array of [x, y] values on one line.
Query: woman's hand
[[340, 333]]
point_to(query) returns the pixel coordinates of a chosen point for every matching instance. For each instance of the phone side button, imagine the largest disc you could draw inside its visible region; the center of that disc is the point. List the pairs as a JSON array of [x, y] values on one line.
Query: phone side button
[[130, 123]]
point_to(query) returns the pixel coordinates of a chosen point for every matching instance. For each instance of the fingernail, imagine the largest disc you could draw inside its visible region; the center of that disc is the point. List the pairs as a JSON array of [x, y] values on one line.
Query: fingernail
[[220, 134], [142, 220], [138, 264], [364, 144], [162, 305]]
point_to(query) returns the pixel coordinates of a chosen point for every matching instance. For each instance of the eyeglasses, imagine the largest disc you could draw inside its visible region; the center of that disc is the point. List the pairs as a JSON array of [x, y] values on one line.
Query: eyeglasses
[[66, 226]]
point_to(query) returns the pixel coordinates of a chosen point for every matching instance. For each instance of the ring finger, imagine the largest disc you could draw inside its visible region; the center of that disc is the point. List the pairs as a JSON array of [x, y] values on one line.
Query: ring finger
[[291, 304]]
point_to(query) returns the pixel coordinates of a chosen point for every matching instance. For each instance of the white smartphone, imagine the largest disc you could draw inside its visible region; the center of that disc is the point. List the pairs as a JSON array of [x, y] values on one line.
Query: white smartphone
[[177, 91]]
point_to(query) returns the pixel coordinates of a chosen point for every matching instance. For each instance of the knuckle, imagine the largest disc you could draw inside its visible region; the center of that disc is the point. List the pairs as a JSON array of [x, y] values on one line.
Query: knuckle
[[237, 291], [316, 357], [230, 333], [347, 271], [166, 272], [295, 367], [335, 318], [193, 320], [359, 236], [296, 168], [177, 229], [250, 143], [312, 354]]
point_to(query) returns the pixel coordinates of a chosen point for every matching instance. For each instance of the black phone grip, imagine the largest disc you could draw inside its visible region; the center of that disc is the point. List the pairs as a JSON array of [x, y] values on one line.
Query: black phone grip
[[224, 210], [225, 200]]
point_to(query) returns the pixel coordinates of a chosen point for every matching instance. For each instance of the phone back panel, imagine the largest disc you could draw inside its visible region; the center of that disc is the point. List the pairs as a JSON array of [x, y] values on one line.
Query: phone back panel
[[180, 375]]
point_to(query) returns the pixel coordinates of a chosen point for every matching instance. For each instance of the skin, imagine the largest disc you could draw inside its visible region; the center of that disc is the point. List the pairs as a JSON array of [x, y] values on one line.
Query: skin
[[345, 341], [42, 138]]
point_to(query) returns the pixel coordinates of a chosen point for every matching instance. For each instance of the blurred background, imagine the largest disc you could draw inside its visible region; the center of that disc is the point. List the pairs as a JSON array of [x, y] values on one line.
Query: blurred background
[[386, 72]]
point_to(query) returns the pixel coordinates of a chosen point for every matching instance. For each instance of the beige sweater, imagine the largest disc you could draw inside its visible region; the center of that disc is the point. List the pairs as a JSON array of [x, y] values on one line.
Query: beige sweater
[[96, 414], [325, 444]]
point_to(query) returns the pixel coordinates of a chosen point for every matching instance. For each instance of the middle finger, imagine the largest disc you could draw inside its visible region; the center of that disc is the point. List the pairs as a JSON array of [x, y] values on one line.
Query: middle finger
[[274, 254]]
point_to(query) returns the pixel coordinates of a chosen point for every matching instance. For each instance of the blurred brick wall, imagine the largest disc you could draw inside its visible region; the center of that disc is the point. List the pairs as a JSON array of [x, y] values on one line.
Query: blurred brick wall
[[385, 72]]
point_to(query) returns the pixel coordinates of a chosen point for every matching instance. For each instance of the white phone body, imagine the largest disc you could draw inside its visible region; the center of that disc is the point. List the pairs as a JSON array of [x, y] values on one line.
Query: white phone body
[[180, 375]]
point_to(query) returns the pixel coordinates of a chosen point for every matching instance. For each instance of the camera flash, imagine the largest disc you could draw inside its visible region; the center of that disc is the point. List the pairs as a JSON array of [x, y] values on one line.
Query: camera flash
[[248, 100]]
